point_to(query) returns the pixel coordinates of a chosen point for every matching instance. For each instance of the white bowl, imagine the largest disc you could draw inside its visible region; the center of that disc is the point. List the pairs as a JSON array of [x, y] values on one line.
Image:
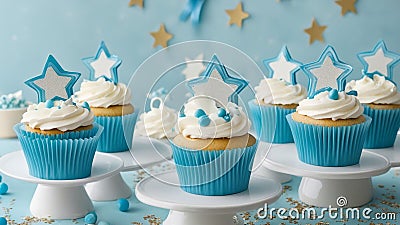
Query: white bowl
[[8, 118]]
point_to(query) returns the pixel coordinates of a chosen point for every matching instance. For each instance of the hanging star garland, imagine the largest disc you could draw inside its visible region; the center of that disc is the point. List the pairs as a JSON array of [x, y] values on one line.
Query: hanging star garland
[[54, 83], [347, 6], [193, 9], [136, 3], [326, 73], [315, 31], [237, 15], [161, 37]]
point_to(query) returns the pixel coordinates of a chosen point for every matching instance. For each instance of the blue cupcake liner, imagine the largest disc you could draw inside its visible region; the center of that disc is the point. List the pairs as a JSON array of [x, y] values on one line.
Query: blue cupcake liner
[[329, 146], [118, 132], [59, 157], [270, 123], [214, 172], [383, 130]]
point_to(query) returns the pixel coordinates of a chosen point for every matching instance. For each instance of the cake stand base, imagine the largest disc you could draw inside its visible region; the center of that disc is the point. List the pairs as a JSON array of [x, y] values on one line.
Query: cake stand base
[[111, 188]]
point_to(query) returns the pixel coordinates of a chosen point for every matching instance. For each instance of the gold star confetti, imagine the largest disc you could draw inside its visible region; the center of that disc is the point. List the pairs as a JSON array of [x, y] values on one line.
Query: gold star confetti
[[347, 6], [161, 37], [136, 2], [237, 15], [315, 32]]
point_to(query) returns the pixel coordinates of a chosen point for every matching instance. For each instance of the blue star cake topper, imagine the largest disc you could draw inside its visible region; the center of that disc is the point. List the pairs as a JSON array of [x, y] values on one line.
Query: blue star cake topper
[[283, 66], [54, 83], [379, 61], [103, 64], [217, 83], [326, 73]]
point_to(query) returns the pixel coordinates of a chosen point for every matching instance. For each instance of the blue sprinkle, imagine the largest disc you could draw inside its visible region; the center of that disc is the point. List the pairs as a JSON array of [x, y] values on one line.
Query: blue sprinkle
[[199, 113], [49, 104], [3, 188], [221, 112], [204, 121], [86, 106], [91, 218], [182, 114], [333, 94], [227, 118], [3, 221], [353, 92], [123, 205], [103, 223]]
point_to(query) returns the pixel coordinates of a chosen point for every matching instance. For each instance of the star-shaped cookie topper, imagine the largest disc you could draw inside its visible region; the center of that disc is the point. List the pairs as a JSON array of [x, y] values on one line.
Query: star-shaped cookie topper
[[54, 83], [161, 37], [217, 83], [103, 64], [347, 6], [193, 9], [379, 61], [327, 72], [283, 66], [237, 15], [136, 2], [315, 31], [194, 67]]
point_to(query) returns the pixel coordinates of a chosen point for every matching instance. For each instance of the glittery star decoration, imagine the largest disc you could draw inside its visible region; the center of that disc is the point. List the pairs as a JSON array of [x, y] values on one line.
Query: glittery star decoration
[[161, 37], [194, 67], [136, 2], [315, 31], [103, 64], [347, 6], [283, 66], [217, 83], [54, 83], [379, 61], [193, 9], [327, 72], [237, 15]]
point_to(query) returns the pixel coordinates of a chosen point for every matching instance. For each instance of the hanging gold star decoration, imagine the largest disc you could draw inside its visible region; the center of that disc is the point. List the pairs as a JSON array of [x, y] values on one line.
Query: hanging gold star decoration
[[161, 37], [347, 6], [237, 15], [315, 32], [136, 2]]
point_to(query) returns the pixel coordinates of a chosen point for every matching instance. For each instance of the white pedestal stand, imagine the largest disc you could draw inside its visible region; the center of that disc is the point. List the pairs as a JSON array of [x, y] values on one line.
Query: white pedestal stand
[[60, 199], [162, 191], [349, 186], [392, 153], [145, 152]]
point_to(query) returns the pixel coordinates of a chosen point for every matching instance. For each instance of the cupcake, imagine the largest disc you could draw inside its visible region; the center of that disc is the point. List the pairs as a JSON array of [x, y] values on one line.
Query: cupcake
[[12, 106], [329, 127]]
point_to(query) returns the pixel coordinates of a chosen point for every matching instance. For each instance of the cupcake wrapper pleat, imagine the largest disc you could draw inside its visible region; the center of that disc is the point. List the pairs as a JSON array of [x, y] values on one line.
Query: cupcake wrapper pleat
[[383, 130], [214, 172], [329, 146], [118, 132], [70, 156], [270, 123]]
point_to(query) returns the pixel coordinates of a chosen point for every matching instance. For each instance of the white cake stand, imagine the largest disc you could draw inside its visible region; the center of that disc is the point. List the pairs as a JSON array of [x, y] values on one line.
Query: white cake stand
[[145, 152], [349, 186], [60, 199], [162, 191], [392, 153]]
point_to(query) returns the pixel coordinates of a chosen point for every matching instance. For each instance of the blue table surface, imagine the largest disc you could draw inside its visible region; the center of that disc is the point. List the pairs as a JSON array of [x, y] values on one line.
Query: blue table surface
[[15, 204]]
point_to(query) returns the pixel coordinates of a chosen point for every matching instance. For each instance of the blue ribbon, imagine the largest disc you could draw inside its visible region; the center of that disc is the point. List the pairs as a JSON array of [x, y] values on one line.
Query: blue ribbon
[[193, 9]]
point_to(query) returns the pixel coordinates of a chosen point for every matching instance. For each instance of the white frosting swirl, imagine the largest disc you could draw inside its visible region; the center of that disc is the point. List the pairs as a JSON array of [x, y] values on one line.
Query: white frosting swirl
[[159, 122], [277, 91], [189, 126], [377, 90], [103, 93], [322, 107], [63, 116]]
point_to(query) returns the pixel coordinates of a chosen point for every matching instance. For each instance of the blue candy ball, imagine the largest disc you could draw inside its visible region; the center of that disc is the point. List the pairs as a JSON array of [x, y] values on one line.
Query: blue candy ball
[[91, 218], [204, 121], [3, 221], [1, 178], [227, 118], [103, 223], [49, 104], [123, 205], [199, 113], [333, 94], [221, 112], [3, 188]]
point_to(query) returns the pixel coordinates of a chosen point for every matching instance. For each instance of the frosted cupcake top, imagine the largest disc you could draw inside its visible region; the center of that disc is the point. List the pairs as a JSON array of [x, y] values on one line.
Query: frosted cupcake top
[[159, 122], [278, 91], [12, 101], [203, 119], [376, 90], [103, 93], [60, 115], [331, 105]]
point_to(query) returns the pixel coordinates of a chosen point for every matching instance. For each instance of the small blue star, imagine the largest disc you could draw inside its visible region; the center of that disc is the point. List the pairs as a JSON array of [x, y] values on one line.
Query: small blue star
[[283, 66], [379, 61], [193, 9], [326, 73], [215, 87], [54, 83], [103, 64]]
